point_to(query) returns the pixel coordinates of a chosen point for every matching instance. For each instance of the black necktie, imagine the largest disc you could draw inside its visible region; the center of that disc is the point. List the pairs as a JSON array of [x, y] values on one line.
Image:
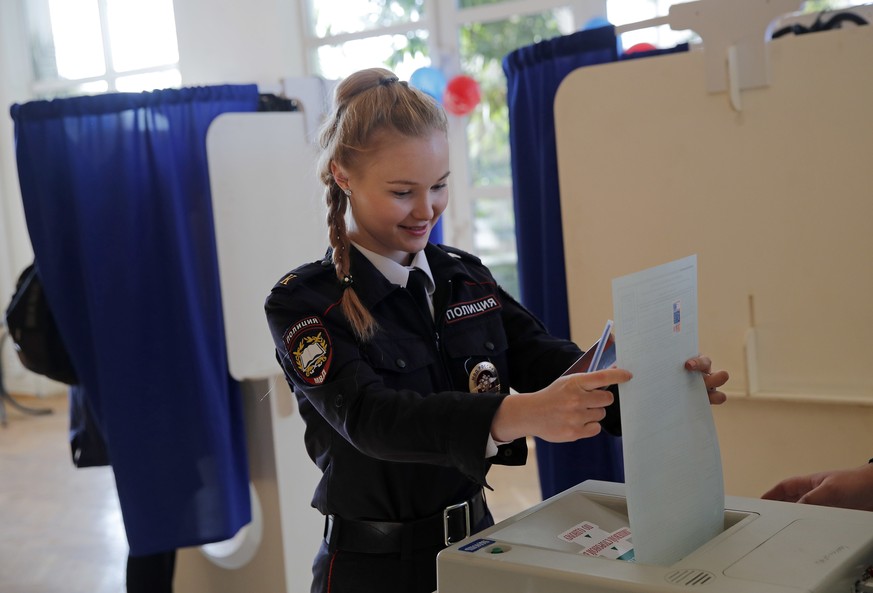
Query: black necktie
[[417, 287]]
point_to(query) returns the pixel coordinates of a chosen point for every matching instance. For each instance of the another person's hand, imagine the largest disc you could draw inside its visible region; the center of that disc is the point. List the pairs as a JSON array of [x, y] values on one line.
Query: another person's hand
[[570, 408], [712, 380], [847, 488]]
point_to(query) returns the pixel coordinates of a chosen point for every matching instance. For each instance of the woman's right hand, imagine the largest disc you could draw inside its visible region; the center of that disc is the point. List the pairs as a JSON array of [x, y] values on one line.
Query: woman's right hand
[[570, 408]]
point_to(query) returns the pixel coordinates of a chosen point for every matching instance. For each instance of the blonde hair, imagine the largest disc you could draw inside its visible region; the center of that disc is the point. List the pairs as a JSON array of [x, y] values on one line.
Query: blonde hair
[[365, 103]]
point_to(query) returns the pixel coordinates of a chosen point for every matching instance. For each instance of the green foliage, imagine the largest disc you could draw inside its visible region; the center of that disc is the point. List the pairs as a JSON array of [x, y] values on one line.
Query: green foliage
[[483, 47], [390, 12], [820, 5]]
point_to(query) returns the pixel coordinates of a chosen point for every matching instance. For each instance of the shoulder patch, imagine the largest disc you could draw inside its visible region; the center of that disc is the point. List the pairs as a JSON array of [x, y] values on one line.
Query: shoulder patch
[[309, 349], [287, 279]]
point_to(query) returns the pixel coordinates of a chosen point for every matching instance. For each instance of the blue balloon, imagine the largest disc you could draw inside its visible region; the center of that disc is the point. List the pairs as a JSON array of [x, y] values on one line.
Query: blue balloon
[[429, 80], [596, 22]]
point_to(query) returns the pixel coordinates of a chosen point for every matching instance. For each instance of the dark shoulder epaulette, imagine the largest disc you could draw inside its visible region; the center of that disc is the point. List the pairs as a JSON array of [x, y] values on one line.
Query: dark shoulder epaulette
[[307, 272], [460, 254]]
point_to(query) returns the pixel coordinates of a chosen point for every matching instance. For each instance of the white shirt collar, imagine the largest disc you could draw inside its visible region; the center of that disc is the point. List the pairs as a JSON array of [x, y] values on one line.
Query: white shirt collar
[[394, 272]]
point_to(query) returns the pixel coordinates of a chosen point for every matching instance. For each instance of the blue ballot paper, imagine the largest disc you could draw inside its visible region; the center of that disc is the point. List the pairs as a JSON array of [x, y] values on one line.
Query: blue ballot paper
[[601, 354]]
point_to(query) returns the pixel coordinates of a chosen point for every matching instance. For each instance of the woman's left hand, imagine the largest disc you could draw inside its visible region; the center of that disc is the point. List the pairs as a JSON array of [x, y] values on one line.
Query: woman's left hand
[[713, 380]]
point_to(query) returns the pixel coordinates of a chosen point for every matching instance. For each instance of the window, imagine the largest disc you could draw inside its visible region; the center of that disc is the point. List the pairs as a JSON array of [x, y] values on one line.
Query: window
[[621, 12], [484, 39], [93, 46]]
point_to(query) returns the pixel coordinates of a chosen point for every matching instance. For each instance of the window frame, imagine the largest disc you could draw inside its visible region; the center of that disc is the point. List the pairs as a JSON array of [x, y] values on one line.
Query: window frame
[[51, 87]]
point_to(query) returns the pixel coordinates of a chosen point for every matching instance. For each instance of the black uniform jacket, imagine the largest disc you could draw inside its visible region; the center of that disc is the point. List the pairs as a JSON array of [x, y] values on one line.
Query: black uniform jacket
[[392, 423]]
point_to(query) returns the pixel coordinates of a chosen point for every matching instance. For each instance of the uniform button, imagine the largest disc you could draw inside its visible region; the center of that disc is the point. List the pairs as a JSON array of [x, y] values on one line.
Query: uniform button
[[326, 263], [339, 401], [489, 346], [401, 363]]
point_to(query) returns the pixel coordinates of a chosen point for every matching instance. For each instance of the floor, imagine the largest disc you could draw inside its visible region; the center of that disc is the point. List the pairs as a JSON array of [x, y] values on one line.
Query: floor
[[61, 526]]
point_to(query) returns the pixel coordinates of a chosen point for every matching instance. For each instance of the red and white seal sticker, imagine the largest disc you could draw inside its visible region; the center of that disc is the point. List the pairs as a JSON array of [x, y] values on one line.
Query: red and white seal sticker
[[308, 346], [584, 534]]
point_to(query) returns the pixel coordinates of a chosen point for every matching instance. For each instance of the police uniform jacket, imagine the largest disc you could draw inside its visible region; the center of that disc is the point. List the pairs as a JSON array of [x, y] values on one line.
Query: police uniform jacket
[[392, 423]]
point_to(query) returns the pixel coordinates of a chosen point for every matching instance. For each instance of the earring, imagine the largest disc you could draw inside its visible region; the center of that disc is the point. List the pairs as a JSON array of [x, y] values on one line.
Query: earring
[[348, 192]]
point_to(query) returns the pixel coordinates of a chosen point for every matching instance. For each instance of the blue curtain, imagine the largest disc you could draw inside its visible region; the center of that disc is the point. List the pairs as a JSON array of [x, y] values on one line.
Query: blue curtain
[[118, 208], [533, 75]]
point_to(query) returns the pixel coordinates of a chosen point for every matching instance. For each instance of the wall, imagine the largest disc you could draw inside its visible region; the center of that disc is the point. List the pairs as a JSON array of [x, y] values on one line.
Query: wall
[[15, 250], [227, 41]]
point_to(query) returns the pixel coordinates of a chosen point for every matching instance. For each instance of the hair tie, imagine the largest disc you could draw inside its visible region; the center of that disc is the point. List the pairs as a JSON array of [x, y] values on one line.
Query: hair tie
[[347, 281], [388, 80]]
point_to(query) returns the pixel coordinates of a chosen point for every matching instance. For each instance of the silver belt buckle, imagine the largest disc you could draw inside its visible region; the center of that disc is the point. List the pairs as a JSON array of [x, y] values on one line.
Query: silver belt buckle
[[446, 511], [328, 528]]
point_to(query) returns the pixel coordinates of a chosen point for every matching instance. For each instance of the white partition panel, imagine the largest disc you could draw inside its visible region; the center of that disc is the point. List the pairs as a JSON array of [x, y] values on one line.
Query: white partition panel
[[269, 219]]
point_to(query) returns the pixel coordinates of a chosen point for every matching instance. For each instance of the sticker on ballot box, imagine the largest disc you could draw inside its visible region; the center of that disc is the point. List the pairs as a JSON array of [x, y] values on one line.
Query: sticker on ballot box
[[615, 546], [584, 534], [596, 542], [477, 545]]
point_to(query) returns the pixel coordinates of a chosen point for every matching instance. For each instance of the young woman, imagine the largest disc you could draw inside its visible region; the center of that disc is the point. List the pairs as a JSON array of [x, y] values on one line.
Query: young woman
[[407, 405]]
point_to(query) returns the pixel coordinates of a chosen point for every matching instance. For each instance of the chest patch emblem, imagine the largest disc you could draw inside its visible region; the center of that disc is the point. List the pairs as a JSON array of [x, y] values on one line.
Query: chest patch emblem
[[308, 346], [460, 311], [484, 378]]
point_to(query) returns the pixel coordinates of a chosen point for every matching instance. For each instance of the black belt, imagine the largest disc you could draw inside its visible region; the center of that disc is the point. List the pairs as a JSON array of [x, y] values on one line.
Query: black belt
[[451, 525]]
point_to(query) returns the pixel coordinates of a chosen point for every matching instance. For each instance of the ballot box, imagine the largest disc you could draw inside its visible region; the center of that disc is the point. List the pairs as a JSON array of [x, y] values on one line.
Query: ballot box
[[580, 540]]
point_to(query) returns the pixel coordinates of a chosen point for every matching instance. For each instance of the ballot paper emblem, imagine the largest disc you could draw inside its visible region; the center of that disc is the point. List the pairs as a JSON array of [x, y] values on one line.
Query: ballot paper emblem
[[677, 316], [484, 378], [308, 346]]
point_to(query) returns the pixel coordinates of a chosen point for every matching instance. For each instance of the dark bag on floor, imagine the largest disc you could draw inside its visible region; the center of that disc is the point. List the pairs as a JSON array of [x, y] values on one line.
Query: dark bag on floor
[[34, 332]]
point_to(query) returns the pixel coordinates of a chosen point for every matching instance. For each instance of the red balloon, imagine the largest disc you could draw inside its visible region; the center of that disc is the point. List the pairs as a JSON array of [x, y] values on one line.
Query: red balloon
[[639, 47], [461, 95]]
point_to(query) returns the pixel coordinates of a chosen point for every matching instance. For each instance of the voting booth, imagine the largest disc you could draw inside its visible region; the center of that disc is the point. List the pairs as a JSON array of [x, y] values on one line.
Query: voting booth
[[766, 547], [268, 208]]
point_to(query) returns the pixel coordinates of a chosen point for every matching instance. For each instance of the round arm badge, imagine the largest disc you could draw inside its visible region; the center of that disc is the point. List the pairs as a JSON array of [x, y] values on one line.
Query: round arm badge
[[484, 378], [308, 346]]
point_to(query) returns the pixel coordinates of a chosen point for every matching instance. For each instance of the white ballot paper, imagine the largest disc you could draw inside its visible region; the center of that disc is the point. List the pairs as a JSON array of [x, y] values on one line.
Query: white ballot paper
[[673, 474]]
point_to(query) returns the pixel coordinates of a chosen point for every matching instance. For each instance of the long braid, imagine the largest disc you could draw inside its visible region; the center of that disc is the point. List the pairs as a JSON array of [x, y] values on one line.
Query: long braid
[[365, 103], [362, 321]]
